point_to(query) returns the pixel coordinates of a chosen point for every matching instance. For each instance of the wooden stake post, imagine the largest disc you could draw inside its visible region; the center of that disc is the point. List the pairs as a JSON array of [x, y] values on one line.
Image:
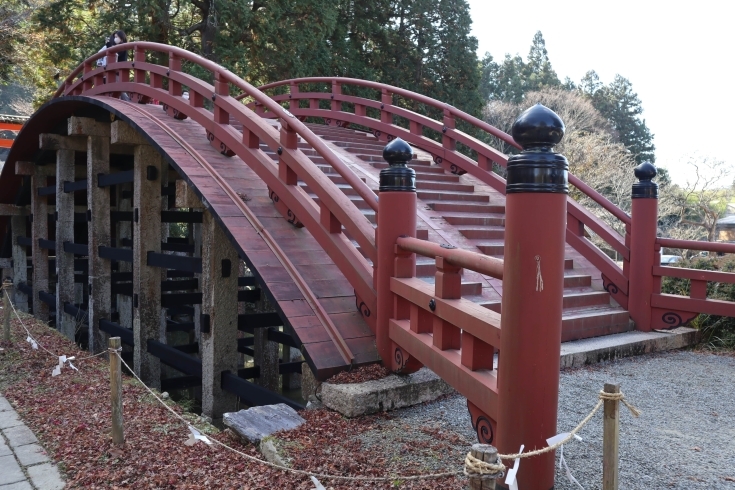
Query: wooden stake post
[[7, 291], [488, 454], [610, 432], [116, 392]]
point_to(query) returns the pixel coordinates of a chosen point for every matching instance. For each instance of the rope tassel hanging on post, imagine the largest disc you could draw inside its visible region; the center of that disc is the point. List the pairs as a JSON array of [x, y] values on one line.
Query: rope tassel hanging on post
[[539, 279]]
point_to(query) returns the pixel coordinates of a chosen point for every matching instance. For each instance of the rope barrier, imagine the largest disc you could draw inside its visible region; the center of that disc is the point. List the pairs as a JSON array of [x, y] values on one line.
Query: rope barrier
[[473, 466]]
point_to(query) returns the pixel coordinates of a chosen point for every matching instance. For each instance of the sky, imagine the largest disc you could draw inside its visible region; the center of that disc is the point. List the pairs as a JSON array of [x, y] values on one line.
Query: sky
[[677, 55]]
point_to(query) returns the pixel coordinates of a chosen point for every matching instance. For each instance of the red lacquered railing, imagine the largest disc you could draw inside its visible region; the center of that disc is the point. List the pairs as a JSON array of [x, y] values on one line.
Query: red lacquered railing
[[484, 264], [671, 310], [445, 153], [321, 220]]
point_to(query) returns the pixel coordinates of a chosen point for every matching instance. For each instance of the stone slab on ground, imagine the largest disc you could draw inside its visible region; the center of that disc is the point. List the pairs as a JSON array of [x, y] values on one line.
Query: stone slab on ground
[[19, 436], [5, 404], [8, 419], [4, 449], [256, 423], [592, 351], [31, 454], [46, 476], [10, 471], [389, 393], [21, 485]]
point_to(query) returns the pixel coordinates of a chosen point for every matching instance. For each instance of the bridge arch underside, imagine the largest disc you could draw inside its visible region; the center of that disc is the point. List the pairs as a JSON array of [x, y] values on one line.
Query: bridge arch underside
[[108, 178]]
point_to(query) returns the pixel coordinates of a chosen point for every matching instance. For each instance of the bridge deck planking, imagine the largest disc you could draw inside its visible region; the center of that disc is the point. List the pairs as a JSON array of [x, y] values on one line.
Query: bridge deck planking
[[324, 278]]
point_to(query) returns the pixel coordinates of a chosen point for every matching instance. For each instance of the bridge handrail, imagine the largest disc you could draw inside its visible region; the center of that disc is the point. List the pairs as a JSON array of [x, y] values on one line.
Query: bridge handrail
[[357, 225], [728, 248], [445, 153], [249, 90], [458, 257], [453, 111]]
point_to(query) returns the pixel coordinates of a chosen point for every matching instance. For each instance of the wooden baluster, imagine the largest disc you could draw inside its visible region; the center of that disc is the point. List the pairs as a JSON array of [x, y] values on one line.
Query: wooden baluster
[[328, 220], [88, 79], [698, 289], [289, 140], [139, 57], [174, 65], [416, 128], [222, 89], [112, 74], [448, 141], [195, 99], [293, 102], [422, 321], [336, 92], [575, 226], [447, 285], [484, 162], [360, 110], [386, 117], [314, 104]]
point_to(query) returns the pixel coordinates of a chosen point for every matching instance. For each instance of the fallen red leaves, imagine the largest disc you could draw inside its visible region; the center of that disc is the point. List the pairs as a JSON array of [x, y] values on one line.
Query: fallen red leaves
[[359, 375], [70, 414]]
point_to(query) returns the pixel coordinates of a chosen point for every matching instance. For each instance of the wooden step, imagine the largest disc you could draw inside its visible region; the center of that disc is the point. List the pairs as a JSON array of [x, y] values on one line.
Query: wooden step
[[466, 207], [577, 281], [472, 219], [586, 298], [483, 232], [443, 186], [491, 247], [452, 196], [435, 176]]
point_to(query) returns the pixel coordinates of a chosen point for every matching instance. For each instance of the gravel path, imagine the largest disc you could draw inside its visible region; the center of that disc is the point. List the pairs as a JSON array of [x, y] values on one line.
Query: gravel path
[[685, 437]]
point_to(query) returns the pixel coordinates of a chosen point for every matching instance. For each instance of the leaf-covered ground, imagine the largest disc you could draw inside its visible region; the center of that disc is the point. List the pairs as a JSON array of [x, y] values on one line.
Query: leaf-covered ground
[[70, 414]]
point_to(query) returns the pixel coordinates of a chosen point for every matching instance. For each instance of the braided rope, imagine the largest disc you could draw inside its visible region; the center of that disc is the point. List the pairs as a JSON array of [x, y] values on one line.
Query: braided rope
[[482, 468]]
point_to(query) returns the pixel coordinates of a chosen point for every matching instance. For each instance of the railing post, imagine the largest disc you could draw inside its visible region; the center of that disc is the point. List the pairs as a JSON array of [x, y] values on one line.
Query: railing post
[[113, 345], [7, 291], [396, 217], [533, 283], [610, 436], [644, 222]]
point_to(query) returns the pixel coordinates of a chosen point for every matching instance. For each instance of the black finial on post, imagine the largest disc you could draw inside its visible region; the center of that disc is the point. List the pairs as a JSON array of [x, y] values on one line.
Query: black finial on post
[[537, 168], [645, 188], [398, 176]]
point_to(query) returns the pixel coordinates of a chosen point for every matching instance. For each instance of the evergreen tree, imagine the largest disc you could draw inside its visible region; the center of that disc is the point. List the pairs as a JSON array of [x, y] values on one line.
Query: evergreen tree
[[621, 106], [537, 71]]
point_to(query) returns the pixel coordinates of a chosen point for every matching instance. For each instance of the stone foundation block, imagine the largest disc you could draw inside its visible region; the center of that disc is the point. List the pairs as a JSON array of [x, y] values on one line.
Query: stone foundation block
[[390, 393]]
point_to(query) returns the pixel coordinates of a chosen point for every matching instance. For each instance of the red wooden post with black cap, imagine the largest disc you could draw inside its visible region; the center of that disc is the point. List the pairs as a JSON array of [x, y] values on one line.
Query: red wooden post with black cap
[[396, 217], [533, 283], [644, 222]]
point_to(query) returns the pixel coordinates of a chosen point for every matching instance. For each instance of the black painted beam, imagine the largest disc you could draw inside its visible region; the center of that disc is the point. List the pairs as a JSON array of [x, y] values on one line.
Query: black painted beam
[[106, 180], [252, 394], [116, 330], [79, 185], [176, 262], [173, 357], [248, 323], [119, 254]]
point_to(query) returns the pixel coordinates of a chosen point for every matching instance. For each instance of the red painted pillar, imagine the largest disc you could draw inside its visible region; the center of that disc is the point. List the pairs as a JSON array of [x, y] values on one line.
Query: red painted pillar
[[396, 217], [533, 283], [644, 222]]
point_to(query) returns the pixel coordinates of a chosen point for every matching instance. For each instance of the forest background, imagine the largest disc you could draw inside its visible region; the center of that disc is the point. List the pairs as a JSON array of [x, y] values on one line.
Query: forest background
[[422, 45]]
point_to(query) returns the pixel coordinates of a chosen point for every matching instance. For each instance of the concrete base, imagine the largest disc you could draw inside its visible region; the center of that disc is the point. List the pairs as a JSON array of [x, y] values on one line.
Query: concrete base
[[591, 351], [389, 393]]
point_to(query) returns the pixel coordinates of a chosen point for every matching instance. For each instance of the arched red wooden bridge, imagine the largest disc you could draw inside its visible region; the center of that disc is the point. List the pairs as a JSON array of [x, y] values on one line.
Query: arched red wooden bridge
[[92, 182]]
